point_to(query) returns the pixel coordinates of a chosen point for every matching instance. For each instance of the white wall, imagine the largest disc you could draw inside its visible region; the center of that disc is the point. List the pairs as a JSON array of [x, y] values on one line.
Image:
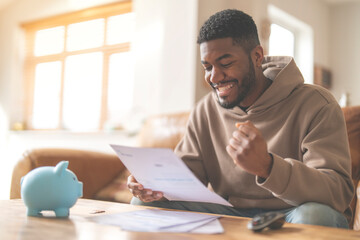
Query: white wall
[[345, 50], [165, 46]]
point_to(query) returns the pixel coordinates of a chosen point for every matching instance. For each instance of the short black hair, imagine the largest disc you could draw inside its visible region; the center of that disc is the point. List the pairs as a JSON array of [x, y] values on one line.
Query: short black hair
[[230, 23]]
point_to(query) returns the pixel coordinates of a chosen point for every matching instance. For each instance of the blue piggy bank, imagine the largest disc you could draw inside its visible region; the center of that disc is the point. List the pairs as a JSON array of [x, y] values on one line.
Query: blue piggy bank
[[50, 188]]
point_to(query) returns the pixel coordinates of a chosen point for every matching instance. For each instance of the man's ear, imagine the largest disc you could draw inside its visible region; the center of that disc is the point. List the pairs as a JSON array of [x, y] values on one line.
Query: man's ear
[[257, 55]]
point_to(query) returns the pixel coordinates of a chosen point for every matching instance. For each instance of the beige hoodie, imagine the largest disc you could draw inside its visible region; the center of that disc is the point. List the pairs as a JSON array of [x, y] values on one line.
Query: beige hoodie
[[305, 132]]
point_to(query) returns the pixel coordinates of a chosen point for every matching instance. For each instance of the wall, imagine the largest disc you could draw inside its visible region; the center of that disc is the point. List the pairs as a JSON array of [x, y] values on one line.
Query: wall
[[3, 130], [344, 48], [165, 46]]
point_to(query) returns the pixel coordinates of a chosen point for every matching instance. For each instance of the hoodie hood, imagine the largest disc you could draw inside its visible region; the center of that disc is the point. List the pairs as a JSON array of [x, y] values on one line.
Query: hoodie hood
[[285, 77]]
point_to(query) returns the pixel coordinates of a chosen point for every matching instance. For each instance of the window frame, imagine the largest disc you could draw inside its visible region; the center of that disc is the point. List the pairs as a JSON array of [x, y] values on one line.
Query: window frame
[[65, 20]]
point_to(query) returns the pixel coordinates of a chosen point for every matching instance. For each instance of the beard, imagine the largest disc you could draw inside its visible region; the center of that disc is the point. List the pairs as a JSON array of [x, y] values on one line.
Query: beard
[[244, 88]]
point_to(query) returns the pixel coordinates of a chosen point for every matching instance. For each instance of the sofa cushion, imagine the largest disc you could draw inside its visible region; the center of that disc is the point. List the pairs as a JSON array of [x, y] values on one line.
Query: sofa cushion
[[117, 190], [164, 130], [88, 166]]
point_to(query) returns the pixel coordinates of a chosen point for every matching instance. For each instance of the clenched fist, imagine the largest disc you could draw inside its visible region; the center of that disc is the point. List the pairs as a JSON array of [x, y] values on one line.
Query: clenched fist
[[248, 150]]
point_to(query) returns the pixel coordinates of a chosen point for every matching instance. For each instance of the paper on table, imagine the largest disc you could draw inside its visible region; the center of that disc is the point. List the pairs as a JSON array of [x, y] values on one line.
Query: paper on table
[[212, 227], [160, 169], [155, 220], [208, 226]]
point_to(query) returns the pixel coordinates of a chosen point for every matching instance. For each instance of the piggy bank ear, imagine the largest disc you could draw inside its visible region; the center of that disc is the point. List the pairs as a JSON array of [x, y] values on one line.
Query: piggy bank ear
[[61, 167]]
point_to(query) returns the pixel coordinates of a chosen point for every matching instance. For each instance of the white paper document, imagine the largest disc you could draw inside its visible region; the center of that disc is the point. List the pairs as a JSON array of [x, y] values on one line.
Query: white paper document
[[160, 169], [156, 220]]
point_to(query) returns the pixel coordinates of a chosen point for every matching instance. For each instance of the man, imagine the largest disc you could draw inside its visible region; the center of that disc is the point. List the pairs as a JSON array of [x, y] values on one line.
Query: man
[[263, 139]]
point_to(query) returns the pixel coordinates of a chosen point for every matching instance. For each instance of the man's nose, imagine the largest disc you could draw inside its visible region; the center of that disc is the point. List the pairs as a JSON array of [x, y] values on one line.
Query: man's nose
[[216, 75]]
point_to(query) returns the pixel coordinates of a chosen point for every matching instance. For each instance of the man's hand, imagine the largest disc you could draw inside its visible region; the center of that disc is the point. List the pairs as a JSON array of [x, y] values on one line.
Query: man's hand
[[248, 149], [145, 195]]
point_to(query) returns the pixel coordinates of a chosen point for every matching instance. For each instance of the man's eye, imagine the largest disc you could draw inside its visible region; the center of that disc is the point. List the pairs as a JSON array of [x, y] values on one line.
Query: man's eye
[[227, 64], [207, 68]]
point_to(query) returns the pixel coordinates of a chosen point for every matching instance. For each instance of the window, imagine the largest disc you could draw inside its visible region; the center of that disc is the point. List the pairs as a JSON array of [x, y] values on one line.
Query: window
[[281, 41], [292, 37], [79, 68]]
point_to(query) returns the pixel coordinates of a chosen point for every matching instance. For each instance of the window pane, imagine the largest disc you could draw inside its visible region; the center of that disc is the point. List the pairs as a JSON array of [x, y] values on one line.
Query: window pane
[[281, 42], [47, 95], [49, 41], [120, 28], [85, 35], [121, 84], [82, 92]]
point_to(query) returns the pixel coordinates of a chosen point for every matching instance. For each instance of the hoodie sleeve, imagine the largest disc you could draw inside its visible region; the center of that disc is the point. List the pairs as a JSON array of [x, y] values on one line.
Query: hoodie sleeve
[[324, 174]]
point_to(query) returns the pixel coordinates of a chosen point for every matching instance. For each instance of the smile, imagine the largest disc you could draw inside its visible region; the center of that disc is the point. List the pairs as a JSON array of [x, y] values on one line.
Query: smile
[[225, 90], [222, 89]]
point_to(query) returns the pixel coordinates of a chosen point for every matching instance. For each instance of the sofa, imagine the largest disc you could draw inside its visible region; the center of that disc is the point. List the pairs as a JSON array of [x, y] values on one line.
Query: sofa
[[104, 176]]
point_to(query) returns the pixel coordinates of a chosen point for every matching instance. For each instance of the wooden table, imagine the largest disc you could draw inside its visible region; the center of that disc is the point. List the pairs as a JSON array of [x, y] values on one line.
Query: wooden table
[[14, 224]]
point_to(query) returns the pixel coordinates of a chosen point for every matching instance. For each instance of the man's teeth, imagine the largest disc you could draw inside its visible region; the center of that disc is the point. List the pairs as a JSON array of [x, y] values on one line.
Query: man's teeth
[[221, 89]]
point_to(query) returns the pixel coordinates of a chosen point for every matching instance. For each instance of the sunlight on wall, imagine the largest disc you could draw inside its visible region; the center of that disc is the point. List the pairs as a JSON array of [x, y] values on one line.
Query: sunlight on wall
[[6, 166], [3, 128], [147, 47]]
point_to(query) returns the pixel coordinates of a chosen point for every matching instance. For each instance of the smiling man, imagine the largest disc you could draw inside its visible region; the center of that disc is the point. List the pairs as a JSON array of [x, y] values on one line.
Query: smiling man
[[231, 73], [263, 139]]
